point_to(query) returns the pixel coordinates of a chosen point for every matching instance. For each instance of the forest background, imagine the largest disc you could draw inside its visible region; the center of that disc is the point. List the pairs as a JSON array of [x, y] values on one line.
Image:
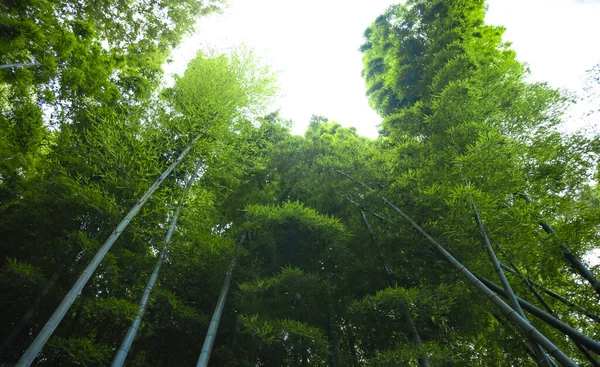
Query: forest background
[[339, 248]]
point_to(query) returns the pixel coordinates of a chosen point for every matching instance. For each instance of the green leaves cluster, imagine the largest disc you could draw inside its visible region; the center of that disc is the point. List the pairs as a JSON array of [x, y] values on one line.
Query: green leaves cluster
[[328, 274]]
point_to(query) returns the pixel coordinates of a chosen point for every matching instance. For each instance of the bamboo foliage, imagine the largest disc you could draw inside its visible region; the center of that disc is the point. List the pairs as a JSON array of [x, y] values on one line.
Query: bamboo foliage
[[554, 295], [541, 358], [86, 132], [412, 329], [41, 339], [527, 328]]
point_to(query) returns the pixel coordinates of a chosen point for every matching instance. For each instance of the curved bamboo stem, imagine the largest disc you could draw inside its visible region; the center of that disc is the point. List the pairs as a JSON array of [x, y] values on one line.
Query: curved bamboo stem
[[549, 319], [540, 357], [506, 310], [556, 296]]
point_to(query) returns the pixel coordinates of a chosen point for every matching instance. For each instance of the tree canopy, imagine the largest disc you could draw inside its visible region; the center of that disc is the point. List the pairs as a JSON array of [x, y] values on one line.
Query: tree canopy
[[348, 243]]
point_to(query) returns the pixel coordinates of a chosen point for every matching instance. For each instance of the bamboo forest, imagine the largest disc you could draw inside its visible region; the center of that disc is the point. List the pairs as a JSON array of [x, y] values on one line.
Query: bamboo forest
[[144, 223]]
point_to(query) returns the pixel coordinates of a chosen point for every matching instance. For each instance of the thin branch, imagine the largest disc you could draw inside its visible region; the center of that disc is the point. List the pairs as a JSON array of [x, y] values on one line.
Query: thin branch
[[557, 296]]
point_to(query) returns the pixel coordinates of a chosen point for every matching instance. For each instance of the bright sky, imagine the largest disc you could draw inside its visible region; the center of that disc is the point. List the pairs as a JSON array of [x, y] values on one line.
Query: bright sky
[[314, 45]]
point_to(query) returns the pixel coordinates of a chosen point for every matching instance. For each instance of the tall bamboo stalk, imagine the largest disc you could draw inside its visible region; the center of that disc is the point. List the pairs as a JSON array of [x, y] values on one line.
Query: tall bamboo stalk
[[133, 329], [557, 296], [582, 269], [541, 357], [550, 311], [332, 334], [351, 344], [413, 333], [549, 319], [534, 291], [48, 329], [23, 65], [211, 333], [579, 267], [506, 310]]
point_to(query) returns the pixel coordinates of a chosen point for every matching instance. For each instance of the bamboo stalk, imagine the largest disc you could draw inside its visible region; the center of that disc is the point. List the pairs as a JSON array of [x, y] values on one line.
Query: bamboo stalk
[[38, 343], [579, 267], [550, 311], [557, 296], [413, 333], [541, 357], [23, 65], [506, 310], [351, 344], [582, 269], [332, 334], [133, 329], [537, 294], [550, 320], [211, 333]]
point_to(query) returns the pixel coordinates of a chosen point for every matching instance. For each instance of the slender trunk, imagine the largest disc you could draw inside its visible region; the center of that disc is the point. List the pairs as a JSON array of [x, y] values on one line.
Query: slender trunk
[[549, 319], [23, 65], [352, 345], [29, 314], [48, 329], [579, 267], [587, 354], [550, 311], [304, 356], [541, 357], [133, 329], [506, 326], [216, 319], [556, 296], [506, 310], [235, 338], [334, 345], [583, 270], [413, 333], [412, 329], [534, 291]]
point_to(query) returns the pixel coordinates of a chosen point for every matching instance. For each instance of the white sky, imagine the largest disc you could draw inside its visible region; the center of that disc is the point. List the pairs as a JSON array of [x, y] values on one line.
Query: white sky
[[314, 45]]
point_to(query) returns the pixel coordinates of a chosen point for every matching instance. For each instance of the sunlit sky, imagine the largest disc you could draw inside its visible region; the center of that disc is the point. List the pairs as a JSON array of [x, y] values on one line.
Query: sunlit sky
[[314, 46]]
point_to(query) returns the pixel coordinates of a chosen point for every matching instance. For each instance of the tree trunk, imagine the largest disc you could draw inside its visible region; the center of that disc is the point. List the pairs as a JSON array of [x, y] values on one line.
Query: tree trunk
[[556, 296], [506, 310], [506, 326], [582, 269], [414, 334], [334, 344], [211, 333], [540, 357], [48, 329], [550, 320], [352, 346], [576, 264], [24, 65], [550, 311], [412, 329], [133, 329]]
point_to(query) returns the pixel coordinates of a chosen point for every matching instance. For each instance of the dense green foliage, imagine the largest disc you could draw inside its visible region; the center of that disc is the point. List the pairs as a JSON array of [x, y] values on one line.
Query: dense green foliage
[[329, 275]]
